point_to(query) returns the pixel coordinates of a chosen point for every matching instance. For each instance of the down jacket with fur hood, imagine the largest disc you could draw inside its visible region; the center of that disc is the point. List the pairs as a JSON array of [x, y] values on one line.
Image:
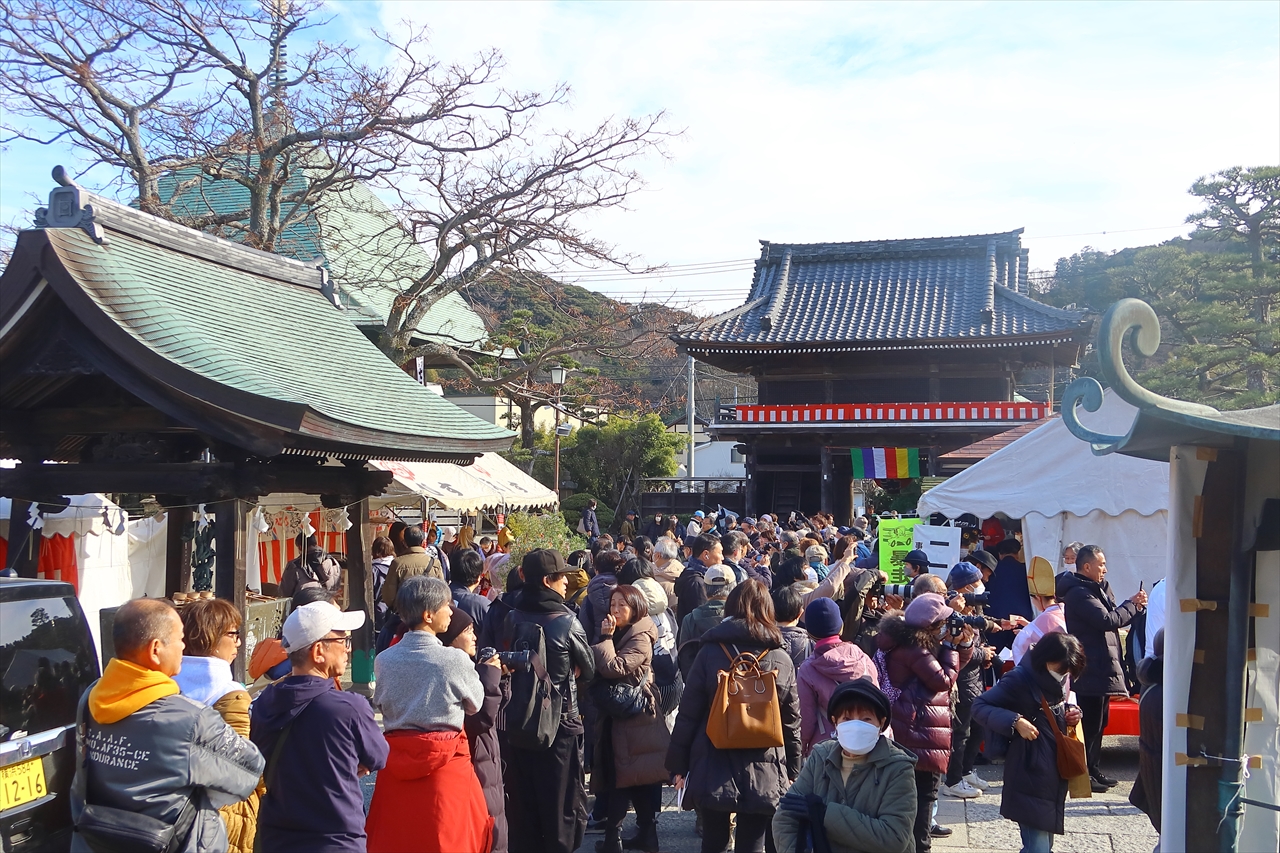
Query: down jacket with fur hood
[[922, 678]]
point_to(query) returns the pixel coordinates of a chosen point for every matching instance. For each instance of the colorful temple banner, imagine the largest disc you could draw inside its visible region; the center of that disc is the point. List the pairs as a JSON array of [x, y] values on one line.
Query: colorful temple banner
[[885, 463]]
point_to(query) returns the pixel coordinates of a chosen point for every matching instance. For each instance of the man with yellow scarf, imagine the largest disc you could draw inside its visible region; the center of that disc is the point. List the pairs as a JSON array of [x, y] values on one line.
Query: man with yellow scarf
[[147, 750]]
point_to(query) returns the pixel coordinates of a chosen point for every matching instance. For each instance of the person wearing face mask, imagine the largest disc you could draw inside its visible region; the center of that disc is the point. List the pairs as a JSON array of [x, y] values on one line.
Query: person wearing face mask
[[816, 557], [919, 661], [1034, 795], [856, 792]]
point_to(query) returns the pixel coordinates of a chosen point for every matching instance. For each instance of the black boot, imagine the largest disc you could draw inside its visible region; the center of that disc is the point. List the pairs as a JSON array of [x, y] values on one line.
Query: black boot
[[611, 843], [645, 839]]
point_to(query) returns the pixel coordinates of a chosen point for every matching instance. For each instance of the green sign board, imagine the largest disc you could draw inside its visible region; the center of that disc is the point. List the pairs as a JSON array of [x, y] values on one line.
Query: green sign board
[[895, 544]]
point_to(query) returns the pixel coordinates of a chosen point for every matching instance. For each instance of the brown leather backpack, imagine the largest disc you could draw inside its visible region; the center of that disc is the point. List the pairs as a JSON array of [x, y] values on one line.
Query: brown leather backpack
[[745, 713]]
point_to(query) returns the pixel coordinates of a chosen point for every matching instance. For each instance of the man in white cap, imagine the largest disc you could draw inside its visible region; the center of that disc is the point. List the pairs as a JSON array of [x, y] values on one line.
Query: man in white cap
[[695, 525], [318, 740]]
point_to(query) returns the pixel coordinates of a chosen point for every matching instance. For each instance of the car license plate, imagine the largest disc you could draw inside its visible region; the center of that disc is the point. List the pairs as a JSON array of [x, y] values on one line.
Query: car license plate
[[22, 783]]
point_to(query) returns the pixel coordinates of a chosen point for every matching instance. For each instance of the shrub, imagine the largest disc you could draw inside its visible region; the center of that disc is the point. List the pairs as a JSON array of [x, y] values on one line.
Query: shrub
[[572, 507], [531, 532]]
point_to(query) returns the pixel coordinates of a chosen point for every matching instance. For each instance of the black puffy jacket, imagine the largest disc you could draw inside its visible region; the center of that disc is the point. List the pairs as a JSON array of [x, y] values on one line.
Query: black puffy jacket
[[1033, 792], [1094, 619]]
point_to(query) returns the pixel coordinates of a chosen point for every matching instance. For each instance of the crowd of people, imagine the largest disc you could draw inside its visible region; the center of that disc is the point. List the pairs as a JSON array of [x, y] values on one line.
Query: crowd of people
[[761, 667]]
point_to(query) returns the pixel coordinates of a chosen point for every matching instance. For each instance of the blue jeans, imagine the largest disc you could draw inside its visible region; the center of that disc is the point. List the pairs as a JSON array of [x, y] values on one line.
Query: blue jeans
[[1035, 840]]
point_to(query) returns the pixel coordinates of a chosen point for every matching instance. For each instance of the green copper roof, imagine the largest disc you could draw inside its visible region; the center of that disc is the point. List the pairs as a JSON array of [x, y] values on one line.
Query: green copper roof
[[258, 324], [353, 234]]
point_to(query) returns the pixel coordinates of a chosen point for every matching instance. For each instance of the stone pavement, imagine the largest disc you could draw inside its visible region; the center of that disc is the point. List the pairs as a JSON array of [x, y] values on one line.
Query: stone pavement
[[1105, 823]]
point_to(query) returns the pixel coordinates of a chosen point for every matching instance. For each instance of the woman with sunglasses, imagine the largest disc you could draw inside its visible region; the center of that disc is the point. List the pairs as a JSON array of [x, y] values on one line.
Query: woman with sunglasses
[[211, 632]]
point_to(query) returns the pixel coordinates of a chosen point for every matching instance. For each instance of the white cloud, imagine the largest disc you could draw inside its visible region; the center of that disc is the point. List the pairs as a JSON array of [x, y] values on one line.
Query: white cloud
[[846, 121], [850, 121]]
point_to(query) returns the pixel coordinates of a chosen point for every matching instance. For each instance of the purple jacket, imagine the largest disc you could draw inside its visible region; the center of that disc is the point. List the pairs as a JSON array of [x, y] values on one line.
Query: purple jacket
[[313, 801], [817, 678]]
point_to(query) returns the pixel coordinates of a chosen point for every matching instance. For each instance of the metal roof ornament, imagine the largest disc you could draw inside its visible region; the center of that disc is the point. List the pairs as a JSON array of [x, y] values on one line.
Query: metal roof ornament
[[67, 210], [1121, 318]]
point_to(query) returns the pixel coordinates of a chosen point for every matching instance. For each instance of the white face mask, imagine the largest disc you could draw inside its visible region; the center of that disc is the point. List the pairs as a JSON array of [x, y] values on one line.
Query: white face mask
[[980, 589], [810, 574], [1059, 676], [857, 737]]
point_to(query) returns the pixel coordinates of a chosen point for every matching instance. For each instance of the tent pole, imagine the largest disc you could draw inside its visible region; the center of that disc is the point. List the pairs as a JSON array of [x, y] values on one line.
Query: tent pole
[[1231, 786]]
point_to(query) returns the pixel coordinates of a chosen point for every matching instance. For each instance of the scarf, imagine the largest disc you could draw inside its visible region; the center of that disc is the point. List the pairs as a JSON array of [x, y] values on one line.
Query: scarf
[[125, 688], [206, 679]]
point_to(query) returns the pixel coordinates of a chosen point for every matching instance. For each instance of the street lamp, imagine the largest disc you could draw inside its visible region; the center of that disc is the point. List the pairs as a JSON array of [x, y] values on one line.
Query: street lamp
[[558, 377]]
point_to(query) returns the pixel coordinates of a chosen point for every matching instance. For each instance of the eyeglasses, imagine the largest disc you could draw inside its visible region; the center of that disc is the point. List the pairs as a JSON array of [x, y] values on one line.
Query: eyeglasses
[[346, 641]]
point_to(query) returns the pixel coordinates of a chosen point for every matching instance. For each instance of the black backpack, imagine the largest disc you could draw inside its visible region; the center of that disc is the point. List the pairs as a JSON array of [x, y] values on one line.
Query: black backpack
[[533, 712]]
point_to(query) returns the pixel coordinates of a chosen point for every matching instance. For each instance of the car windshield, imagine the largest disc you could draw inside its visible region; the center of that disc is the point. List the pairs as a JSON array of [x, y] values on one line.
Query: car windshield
[[46, 661]]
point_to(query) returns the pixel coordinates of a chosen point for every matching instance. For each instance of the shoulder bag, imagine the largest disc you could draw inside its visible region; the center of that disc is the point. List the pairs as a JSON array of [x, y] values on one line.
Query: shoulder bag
[[1071, 758], [745, 713], [110, 830]]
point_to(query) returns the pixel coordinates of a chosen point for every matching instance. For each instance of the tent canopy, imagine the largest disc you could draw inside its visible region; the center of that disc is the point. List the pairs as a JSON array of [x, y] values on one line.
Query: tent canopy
[[85, 515], [1050, 471], [490, 482]]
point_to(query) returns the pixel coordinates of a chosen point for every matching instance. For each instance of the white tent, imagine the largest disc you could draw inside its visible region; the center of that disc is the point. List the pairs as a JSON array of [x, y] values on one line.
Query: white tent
[[100, 531], [490, 482], [1063, 493]]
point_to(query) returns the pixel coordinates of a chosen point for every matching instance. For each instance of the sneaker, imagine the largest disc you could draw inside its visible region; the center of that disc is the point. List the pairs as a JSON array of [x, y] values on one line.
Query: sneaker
[[1106, 780], [961, 790], [976, 781], [940, 831]]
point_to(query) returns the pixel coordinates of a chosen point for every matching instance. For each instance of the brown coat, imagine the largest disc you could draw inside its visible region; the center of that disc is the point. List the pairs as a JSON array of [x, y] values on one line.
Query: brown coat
[[240, 818], [417, 562], [639, 742]]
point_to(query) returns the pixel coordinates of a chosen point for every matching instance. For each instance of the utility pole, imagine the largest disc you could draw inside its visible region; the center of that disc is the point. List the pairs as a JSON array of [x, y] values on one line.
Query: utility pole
[[690, 418]]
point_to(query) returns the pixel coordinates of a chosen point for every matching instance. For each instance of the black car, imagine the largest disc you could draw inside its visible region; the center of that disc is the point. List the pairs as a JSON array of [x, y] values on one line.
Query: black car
[[47, 661]]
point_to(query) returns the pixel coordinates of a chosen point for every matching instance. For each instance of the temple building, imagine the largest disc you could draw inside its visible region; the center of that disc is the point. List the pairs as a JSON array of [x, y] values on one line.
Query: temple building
[[877, 358]]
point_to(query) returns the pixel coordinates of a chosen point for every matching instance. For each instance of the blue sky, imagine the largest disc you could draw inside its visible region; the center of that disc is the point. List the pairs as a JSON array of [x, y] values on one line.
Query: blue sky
[[848, 121]]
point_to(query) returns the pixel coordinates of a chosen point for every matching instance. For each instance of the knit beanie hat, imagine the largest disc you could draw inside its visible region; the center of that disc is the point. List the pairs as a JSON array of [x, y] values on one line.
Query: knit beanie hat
[[822, 618], [963, 574], [926, 609], [458, 623]]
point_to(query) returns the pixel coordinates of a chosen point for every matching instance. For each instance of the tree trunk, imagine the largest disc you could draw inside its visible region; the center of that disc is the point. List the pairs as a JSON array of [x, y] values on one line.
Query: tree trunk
[[527, 432]]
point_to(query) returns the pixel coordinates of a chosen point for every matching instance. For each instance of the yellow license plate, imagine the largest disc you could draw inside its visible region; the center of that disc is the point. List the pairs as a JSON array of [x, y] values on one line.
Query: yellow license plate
[[22, 783]]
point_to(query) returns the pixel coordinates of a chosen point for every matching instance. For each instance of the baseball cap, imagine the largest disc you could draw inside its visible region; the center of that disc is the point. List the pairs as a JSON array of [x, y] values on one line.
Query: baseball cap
[[749, 520], [541, 563], [720, 576], [917, 557], [309, 623], [698, 513]]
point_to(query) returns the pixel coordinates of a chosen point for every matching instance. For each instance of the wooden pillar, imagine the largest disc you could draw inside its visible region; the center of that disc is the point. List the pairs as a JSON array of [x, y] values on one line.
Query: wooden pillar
[[749, 499], [827, 484], [360, 591], [177, 553], [24, 541], [231, 538]]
